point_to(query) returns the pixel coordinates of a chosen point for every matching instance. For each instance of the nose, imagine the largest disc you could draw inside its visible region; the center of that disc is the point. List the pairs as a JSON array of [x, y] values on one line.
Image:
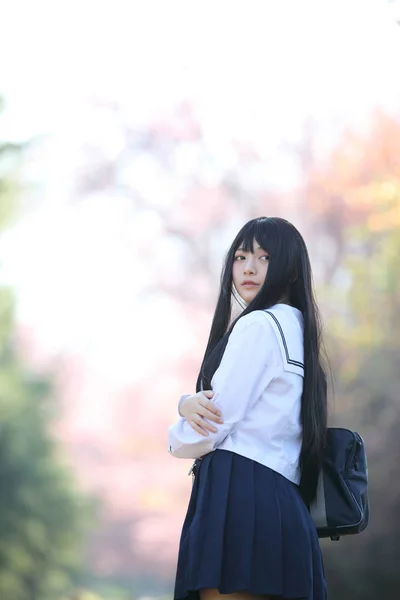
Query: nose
[[249, 266]]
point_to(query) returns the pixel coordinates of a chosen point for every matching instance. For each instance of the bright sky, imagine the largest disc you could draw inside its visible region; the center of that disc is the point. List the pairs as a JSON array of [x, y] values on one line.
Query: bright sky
[[255, 70], [281, 58]]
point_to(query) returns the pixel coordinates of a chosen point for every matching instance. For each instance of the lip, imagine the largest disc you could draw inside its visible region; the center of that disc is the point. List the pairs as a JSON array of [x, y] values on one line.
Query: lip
[[249, 283]]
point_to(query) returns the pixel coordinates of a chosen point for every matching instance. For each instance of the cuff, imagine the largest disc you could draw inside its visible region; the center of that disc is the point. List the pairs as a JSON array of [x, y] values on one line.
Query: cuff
[[180, 403]]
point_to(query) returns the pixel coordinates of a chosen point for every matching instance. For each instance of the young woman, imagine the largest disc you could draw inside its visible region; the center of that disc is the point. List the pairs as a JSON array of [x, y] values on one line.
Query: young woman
[[256, 427]]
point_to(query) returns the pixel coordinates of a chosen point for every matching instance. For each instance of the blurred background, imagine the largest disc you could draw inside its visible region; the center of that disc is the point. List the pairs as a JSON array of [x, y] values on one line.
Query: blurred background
[[136, 138]]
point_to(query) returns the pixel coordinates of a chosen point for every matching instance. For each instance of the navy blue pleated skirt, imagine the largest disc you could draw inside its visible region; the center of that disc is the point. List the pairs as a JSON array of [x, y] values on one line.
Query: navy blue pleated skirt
[[247, 528]]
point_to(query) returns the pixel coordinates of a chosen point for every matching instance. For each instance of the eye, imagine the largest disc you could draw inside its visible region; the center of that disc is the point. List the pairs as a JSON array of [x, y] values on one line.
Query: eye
[[239, 257], [265, 256]]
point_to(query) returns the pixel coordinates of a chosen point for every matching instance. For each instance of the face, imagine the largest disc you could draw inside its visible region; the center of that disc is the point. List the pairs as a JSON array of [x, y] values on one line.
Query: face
[[249, 271]]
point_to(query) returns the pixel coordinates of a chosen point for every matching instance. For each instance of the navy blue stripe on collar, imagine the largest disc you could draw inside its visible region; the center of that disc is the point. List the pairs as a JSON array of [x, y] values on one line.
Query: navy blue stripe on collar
[[289, 360]]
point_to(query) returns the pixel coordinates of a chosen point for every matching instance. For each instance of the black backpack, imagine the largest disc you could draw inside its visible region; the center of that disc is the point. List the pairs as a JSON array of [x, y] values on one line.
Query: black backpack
[[341, 506]]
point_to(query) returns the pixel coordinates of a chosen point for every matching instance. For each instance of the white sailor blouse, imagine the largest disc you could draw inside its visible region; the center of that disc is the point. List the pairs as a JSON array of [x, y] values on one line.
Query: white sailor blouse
[[258, 388]]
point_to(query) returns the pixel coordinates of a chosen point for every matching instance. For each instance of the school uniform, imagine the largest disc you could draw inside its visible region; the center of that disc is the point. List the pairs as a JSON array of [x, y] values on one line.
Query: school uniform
[[247, 527]]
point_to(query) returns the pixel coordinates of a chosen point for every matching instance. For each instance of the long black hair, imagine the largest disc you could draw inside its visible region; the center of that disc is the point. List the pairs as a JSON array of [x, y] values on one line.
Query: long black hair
[[289, 276]]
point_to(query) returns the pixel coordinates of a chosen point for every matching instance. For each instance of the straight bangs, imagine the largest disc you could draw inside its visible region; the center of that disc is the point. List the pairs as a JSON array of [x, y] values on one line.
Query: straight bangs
[[265, 231]]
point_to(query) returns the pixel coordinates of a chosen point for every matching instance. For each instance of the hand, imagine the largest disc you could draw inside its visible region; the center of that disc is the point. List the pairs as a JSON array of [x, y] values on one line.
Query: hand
[[196, 408]]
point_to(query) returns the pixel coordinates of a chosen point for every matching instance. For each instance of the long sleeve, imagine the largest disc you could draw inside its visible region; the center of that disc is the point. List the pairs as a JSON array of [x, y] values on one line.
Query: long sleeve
[[248, 365]]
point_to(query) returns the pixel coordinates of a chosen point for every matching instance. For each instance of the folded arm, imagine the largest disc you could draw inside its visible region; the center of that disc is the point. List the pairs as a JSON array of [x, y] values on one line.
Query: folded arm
[[246, 368]]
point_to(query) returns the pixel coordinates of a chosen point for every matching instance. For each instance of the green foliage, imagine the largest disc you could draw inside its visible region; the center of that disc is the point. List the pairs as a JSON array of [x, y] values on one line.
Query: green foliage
[[365, 354], [42, 515]]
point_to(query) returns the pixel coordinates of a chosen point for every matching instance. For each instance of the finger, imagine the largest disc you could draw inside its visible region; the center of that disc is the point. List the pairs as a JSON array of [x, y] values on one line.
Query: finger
[[208, 393], [212, 417], [206, 414], [203, 424], [210, 406], [209, 427], [196, 427]]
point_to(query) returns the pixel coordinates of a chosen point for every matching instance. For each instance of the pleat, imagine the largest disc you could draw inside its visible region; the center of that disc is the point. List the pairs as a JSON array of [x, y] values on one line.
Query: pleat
[[239, 528], [247, 528], [319, 583], [267, 543], [209, 523], [296, 547]]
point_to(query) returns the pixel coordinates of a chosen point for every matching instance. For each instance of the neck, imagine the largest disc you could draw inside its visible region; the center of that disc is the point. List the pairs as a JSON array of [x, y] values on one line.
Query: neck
[[242, 303]]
